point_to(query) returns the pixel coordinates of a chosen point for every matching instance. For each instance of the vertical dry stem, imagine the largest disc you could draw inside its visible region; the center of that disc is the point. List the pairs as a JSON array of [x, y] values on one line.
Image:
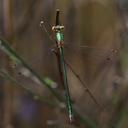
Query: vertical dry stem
[[8, 90]]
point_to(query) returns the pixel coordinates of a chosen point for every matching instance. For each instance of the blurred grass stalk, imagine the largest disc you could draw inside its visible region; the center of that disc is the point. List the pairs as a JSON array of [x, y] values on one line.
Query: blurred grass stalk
[[4, 73], [7, 89], [5, 47]]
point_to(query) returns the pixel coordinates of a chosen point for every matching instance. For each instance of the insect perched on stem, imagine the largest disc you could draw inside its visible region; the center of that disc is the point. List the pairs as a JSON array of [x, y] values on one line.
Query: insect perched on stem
[[106, 54], [61, 62]]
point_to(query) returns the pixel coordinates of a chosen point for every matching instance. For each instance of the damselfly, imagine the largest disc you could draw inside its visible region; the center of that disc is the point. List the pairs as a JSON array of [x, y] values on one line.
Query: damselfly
[[87, 63]]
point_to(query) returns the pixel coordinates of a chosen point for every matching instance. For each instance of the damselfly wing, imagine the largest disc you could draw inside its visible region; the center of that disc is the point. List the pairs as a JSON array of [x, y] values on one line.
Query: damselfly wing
[[90, 63]]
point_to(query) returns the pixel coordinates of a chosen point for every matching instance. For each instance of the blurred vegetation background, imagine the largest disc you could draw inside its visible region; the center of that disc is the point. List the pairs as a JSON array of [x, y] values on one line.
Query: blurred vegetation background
[[100, 24]]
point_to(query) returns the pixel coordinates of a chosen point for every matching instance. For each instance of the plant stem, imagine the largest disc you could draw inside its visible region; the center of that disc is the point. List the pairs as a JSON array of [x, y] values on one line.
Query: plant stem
[[5, 47]]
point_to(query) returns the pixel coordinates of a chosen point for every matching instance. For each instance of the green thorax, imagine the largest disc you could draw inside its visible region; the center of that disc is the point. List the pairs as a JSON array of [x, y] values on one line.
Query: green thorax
[[59, 36]]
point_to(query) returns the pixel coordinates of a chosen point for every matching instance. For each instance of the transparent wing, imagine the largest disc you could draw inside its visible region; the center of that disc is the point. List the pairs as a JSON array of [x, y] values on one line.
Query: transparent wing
[[93, 58], [87, 62]]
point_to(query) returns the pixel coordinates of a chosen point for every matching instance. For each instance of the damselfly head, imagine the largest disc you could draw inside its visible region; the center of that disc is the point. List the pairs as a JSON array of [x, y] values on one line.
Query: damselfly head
[[58, 27]]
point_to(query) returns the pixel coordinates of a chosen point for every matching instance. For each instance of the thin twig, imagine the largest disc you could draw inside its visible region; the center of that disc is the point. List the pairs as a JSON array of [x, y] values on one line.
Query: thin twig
[[4, 73]]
